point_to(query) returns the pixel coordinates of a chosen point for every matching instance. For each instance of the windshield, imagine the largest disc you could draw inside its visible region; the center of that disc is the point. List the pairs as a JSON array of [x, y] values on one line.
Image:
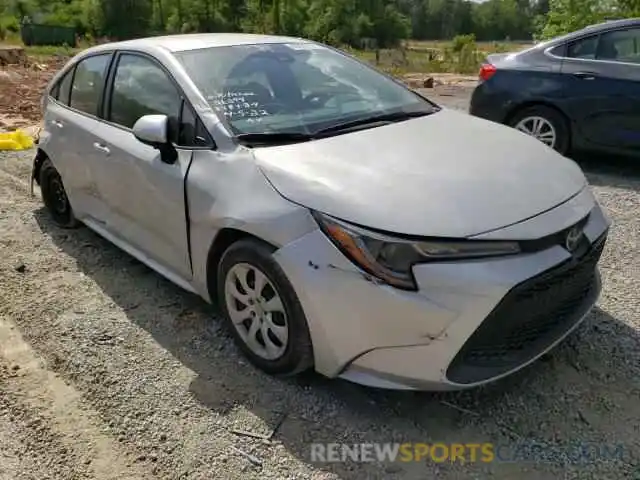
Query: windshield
[[293, 87]]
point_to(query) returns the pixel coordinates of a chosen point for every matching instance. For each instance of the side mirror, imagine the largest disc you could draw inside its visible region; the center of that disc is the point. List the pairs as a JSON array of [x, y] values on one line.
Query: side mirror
[[152, 130]]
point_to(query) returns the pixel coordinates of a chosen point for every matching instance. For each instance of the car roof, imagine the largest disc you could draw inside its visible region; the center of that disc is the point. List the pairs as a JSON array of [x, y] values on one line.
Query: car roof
[[601, 27], [195, 41], [624, 22], [588, 30], [605, 26]]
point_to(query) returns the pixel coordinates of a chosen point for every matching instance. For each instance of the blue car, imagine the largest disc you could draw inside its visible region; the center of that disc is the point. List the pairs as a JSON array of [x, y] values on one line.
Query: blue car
[[578, 92]]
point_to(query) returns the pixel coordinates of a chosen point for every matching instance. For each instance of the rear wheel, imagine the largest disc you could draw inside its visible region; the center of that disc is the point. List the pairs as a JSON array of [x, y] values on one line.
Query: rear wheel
[[545, 124], [262, 310], [54, 196]]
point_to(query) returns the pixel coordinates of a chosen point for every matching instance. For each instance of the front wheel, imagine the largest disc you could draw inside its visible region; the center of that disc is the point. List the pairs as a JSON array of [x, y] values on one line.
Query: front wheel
[[262, 310], [545, 124]]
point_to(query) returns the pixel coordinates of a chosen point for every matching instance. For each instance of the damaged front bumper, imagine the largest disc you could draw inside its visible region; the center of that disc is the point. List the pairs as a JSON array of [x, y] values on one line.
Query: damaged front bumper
[[376, 335]]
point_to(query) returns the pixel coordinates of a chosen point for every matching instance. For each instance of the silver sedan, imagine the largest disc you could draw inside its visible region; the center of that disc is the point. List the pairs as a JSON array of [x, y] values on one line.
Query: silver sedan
[[341, 221]]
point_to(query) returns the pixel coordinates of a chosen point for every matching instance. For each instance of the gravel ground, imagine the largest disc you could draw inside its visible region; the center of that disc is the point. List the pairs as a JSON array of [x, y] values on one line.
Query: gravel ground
[[109, 371], [450, 96]]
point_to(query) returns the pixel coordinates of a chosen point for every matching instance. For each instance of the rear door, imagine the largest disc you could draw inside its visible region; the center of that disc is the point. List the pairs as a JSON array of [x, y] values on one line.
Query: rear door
[[604, 88], [71, 118], [146, 196]]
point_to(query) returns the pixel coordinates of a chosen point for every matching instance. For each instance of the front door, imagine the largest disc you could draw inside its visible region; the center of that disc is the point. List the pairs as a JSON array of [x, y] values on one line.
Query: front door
[[145, 196], [604, 88]]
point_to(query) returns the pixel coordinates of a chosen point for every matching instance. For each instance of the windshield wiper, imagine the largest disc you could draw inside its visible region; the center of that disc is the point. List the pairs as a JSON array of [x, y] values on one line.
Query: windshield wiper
[[274, 138], [371, 122], [281, 138]]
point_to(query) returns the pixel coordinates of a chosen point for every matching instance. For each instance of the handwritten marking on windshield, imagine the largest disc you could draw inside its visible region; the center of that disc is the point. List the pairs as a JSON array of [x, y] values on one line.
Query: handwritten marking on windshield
[[238, 105]]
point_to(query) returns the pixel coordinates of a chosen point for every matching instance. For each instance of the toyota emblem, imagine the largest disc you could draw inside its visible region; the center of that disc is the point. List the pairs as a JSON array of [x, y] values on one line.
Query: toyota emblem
[[573, 239]]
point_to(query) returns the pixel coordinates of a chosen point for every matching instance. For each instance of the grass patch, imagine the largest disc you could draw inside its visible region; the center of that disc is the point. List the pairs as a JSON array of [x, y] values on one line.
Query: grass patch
[[462, 57], [51, 51], [400, 62]]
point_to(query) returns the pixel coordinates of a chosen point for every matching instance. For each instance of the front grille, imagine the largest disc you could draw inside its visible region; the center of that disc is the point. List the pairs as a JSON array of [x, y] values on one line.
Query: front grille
[[529, 319]]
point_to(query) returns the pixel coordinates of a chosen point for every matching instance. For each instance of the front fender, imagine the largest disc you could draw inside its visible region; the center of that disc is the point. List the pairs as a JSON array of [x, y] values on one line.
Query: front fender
[[228, 191]]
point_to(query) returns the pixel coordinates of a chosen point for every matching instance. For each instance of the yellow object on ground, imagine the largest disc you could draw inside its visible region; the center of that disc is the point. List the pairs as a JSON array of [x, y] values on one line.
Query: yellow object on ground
[[17, 140]]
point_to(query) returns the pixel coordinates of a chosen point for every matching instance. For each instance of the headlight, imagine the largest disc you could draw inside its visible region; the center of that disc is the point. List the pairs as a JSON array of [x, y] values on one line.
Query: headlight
[[390, 259]]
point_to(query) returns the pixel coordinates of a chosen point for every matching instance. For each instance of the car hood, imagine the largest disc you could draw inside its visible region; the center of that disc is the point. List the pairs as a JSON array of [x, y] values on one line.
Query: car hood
[[447, 174]]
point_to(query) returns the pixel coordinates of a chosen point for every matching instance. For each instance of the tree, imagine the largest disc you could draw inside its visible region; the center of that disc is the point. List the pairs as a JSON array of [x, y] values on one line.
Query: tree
[[389, 27], [630, 8], [120, 19], [565, 16]]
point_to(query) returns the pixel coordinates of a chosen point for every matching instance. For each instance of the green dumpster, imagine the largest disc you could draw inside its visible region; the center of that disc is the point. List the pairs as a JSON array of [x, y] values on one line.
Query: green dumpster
[[35, 34]]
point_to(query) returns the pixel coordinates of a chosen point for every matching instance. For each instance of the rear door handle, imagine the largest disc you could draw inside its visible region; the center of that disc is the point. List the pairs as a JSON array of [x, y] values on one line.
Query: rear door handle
[[585, 75], [56, 123], [102, 148]]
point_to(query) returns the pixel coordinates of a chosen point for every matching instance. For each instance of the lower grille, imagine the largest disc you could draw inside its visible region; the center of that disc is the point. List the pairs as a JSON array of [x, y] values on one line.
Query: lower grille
[[529, 319]]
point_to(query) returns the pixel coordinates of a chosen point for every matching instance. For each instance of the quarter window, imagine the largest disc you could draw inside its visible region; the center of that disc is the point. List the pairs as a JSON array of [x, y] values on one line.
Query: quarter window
[[64, 88], [141, 87], [88, 82], [584, 48], [559, 51], [192, 133]]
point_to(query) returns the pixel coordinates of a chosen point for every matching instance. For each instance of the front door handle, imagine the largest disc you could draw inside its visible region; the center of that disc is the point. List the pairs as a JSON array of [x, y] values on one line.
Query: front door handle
[[585, 75], [56, 123], [102, 148]]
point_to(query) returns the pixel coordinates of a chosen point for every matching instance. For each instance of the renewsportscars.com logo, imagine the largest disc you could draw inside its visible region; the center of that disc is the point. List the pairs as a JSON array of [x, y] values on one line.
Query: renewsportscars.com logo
[[402, 452], [464, 453]]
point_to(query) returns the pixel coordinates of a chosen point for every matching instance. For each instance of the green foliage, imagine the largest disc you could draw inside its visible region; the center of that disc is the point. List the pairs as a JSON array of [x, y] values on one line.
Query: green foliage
[[8, 25], [383, 23], [566, 16], [459, 42], [390, 27], [351, 22], [631, 8], [121, 19], [70, 14]]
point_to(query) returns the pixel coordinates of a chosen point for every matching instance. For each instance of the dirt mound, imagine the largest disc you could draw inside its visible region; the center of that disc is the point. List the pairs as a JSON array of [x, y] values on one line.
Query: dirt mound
[[21, 89], [10, 55]]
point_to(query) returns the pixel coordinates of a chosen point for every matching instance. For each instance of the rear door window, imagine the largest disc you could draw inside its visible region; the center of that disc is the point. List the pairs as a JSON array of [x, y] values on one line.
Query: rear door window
[[620, 45], [88, 83]]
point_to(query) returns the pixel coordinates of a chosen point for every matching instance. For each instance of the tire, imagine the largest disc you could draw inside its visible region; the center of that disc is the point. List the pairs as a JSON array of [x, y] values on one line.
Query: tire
[[523, 120], [54, 196], [293, 356]]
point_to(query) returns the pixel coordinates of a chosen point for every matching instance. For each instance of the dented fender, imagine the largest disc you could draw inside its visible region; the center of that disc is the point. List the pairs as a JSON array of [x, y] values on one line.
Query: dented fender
[[227, 190]]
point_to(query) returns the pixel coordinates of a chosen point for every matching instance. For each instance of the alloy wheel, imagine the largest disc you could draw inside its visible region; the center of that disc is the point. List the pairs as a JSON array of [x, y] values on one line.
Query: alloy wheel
[[256, 311], [539, 128]]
